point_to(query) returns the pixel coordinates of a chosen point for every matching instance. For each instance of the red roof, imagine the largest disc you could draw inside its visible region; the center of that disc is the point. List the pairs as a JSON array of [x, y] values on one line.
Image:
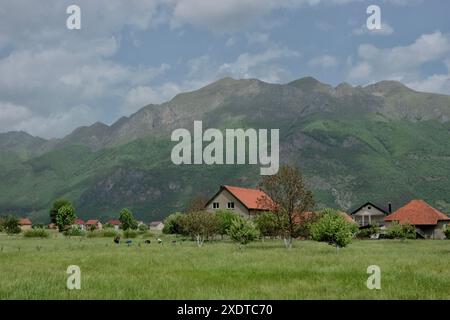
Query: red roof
[[249, 197], [115, 222], [92, 221], [417, 212], [79, 222], [25, 222]]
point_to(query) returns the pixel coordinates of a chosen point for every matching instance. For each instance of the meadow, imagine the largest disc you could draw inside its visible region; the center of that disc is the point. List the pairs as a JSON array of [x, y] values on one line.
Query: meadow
[[36, 269]]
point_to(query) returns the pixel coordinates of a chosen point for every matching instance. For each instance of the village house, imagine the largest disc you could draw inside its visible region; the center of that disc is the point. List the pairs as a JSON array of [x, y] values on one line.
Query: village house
[[92, 222], [429, 222], [115, 223], [244, 201], [79, 223], [156, 226], [25, 224], [370, 214]]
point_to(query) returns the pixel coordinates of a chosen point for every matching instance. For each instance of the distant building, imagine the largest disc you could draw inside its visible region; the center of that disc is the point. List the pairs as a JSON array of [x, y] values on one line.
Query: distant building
[[115, 223], [92, 222], [79, 223], [244, 201], [25, 224], [429, 222], [156, 225], [369, 214]]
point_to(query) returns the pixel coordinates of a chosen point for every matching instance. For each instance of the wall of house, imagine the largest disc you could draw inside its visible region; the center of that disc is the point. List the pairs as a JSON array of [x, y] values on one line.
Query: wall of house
[[25, 227], [223, 198], [369, 215], [434, 232]]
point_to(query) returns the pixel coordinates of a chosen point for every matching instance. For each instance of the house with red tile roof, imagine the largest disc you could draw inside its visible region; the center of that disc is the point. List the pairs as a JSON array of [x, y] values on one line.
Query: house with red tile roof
[[115, 223], [79, 223], [370, 214], [25, 224], [91, 223], [244, 201], [430, 223]]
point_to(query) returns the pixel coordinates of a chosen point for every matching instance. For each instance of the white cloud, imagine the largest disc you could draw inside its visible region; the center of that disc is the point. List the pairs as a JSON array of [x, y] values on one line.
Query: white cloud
[[324, 61], [400, 62]]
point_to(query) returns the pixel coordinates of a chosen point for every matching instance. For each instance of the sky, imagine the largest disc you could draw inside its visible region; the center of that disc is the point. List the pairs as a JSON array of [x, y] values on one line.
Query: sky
[[131, 53]]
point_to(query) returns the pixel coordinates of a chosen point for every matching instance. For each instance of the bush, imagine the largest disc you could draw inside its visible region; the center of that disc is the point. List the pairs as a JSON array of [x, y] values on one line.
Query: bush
[[143, 228], [36, 233], [74, 231], [225, 219], [242, 231], [267, 224], [368, 232], [11, 225], [200, 225], [130, 233], [334, 229], [447, 232], [401, 231], [107, 233], [93, 234], [172, 224]]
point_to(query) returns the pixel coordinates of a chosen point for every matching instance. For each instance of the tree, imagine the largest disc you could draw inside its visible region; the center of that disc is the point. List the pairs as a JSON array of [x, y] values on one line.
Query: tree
[[225, 218], [55, 207], [65, 217], [267, 225], [286, 196], [200, 225], [11, 225], [127, 220], [334, 229], [401, 231], [242, 231], [172, 224], [196, 204]]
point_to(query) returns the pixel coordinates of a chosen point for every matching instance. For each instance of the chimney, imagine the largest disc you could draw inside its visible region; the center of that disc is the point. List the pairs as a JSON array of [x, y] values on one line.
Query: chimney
[[390, 207]]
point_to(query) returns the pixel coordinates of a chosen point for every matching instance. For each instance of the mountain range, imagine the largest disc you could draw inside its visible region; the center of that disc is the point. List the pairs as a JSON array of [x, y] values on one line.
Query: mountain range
[[382, 143]]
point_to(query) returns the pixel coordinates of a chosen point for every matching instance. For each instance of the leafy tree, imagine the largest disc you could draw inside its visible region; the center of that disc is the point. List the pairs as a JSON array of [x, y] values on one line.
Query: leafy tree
[[267, 225], [55, 207], [225, 218], [11, 225], [401, 231], [143, 228], [127, 220], [65, 217], [200, 225], [286, 196], [242, 231], [334, 229], [172, 224]]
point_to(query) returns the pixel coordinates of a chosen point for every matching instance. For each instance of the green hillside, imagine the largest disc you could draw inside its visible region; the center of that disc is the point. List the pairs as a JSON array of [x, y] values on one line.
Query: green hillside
[[381, 143]]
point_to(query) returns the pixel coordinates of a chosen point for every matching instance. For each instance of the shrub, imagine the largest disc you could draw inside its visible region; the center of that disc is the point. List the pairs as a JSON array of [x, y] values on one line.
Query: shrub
[[130, 233], [368, 232], [93, 234], [107, 233], [242, 231], [11, 225], [225, 219], [267, 224], [74, 231], [200, 225], [447, 232], [401, 231], [38, 226], [172, 224], [334, 229], [36, 233], [143, 228]]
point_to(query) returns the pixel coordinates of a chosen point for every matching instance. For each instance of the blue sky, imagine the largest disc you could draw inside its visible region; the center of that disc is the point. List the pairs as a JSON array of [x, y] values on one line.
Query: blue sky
[[132, 53]]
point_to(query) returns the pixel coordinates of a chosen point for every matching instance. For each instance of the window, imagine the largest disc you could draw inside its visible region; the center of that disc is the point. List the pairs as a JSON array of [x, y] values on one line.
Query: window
[[215, 205], [230, 205]]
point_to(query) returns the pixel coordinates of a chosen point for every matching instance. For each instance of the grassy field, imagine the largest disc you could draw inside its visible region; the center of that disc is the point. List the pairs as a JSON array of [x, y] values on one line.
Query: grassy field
[[36, 269]]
